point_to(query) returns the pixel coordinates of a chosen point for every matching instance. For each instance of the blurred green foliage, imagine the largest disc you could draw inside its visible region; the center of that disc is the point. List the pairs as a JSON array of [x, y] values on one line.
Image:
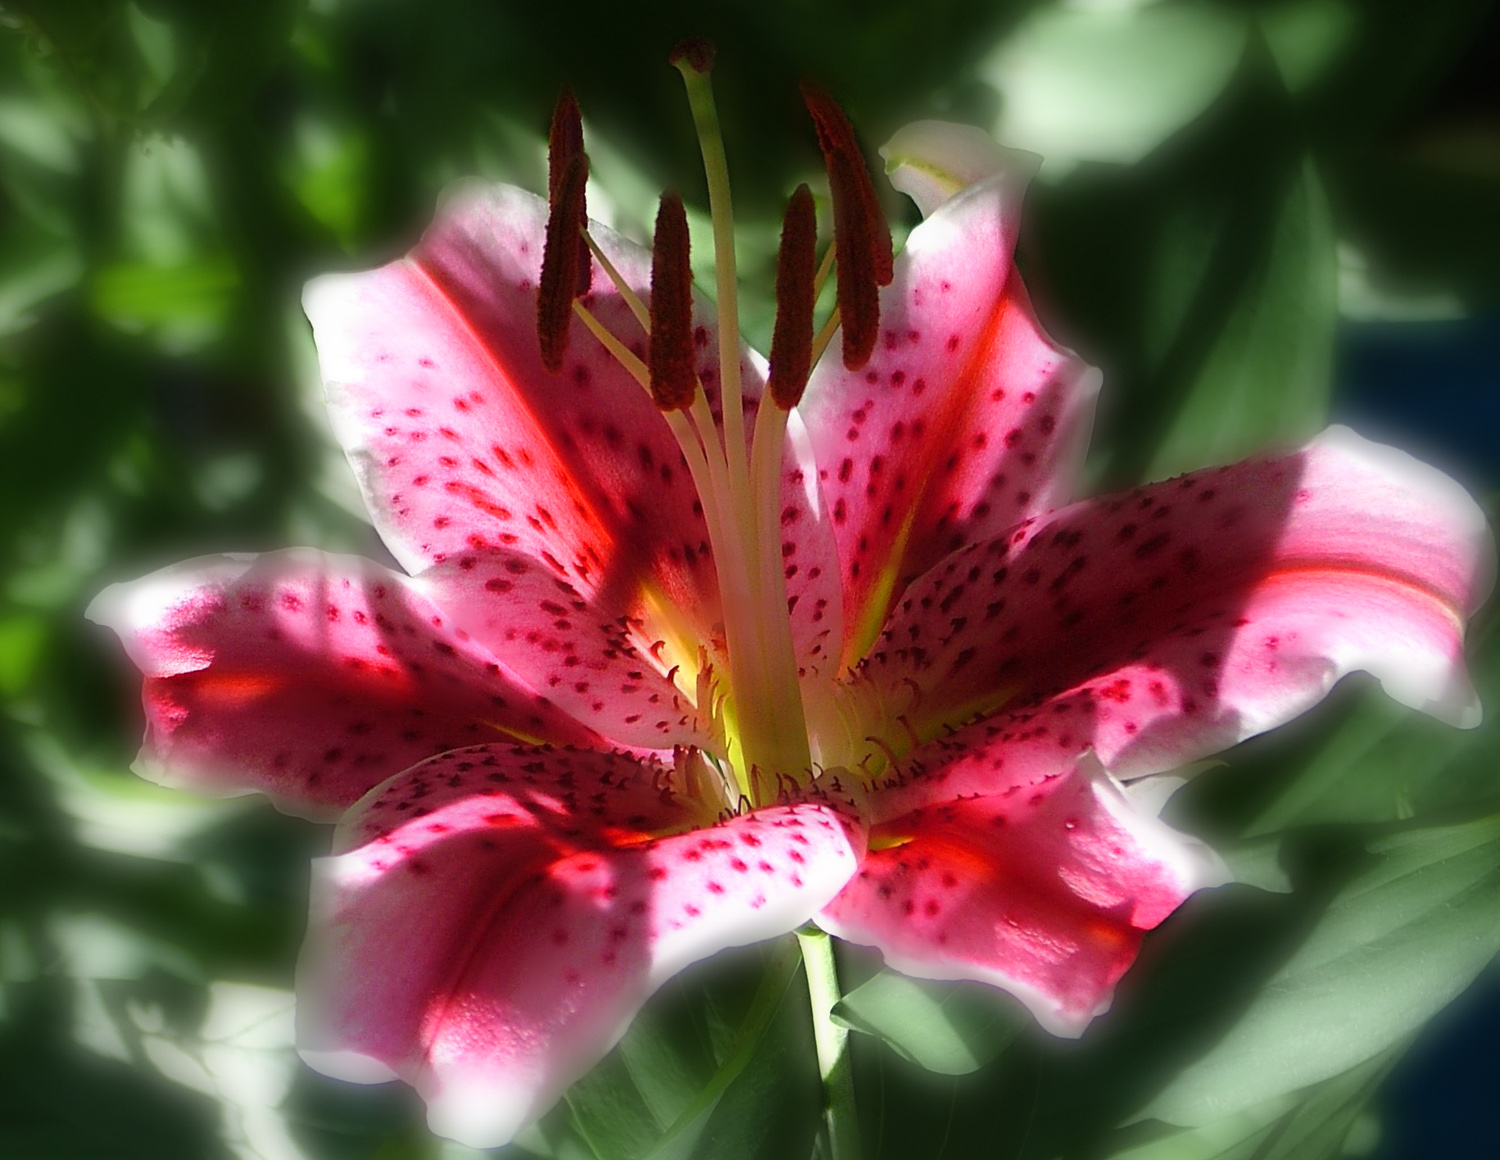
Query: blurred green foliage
[[1223, 182]]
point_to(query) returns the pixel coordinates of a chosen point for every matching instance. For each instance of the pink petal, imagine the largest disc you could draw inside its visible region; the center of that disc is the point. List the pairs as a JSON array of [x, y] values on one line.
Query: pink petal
[[462, 440], [1164, 625], [966, 420], [581, 656], [1043, 890], [810, 561], [309, 678], [499, 914]]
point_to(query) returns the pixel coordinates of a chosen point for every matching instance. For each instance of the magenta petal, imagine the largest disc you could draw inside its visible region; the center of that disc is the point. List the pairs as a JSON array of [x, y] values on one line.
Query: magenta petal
[[462, 440], [592, 661], [499, 914], [966, 420], [309, 678], [1044, 890], [810, 560], [1163, 625]]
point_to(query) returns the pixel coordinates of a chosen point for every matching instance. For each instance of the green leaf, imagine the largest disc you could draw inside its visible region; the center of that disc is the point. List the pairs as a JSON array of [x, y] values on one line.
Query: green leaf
[[1309, 1126], [1101, 83], [1265, 376], [21, 642], [772, 1109], [1381, 762], [950, 1028], [1397, 943], [1203, 279], [1306, 36], [660, 1092], [1258, 863]]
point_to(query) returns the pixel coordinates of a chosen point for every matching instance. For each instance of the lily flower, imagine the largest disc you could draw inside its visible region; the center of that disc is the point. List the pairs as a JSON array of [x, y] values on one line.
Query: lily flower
[[681, 660]]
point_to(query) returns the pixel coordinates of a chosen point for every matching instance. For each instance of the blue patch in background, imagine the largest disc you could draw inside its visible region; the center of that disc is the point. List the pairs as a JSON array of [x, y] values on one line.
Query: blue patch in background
[[1433, 388]]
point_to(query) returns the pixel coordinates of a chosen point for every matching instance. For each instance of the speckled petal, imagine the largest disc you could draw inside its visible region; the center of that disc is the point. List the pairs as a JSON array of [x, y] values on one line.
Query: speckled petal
[[538, 897], [966, 420], [462, 440], [309, 678], [595, 662], [1166, 624], [1044, 890]]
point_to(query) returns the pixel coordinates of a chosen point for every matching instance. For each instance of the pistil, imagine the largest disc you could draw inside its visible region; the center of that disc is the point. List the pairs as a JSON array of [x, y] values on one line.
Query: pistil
[[767, 696], [758, 701]]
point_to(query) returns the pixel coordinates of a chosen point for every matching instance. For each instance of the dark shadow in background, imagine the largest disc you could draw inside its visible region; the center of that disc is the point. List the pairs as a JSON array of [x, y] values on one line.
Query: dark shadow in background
[[1437, 384]]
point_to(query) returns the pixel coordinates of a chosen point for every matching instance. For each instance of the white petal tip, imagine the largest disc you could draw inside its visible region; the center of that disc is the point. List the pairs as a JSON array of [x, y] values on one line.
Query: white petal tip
[[1462, 713], [325, 293], [1441, 689], [103, 609], [931, 161], [487, 1116], [141, 603], [1436, 491], [349, 1066]]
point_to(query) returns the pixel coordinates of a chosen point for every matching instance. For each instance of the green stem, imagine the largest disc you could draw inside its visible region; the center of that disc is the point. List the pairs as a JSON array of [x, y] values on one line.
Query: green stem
[[832, 1043]]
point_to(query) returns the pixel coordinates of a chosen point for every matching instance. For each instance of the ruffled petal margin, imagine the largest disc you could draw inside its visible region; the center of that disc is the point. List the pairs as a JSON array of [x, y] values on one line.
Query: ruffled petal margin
[[497, 915], [1166, 624], [309, 678], [1044, 890]]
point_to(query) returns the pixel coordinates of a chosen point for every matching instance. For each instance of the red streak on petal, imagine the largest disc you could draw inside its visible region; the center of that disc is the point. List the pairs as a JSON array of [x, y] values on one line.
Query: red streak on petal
[[231, 690], [539, 449]]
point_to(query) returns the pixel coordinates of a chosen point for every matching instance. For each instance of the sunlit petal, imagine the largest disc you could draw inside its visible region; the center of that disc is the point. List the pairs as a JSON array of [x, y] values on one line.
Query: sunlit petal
[[1043, 889], [966, 420], [538, 897], [309, 678]]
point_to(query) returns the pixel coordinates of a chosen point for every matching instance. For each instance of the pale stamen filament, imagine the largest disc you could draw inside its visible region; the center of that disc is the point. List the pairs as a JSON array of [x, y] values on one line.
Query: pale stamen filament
[[697, 437], [623, 355], [622, 287], [765, 482], [825, 336], [703, 456], [739, 486], [825, 270]]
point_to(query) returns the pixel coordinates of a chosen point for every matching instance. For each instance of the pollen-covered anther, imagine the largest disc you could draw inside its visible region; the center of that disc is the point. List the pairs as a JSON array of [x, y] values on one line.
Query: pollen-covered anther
[[862, 239], [565, 142], [796, 270], [562, 255], [673, 379]]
